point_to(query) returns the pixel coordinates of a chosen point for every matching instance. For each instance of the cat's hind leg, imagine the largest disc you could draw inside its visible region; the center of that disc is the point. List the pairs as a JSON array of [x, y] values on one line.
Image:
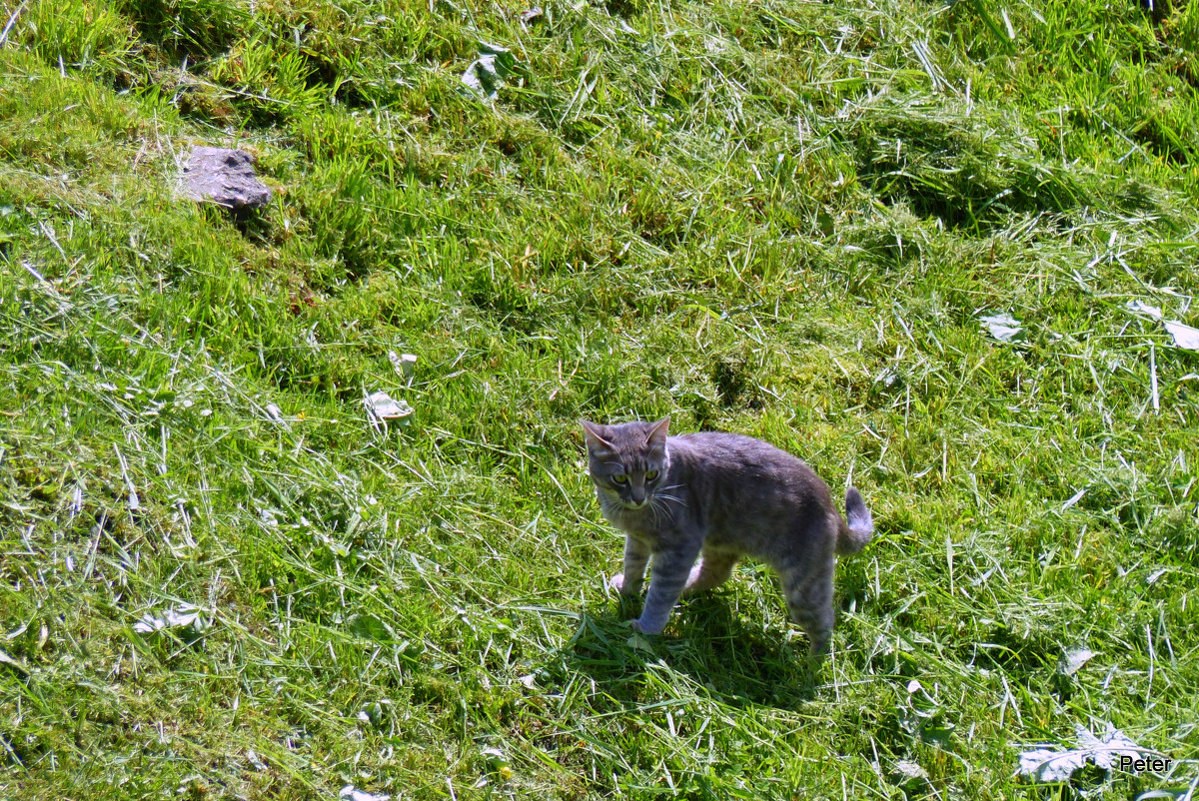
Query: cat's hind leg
[[714, 568], [808, 589]]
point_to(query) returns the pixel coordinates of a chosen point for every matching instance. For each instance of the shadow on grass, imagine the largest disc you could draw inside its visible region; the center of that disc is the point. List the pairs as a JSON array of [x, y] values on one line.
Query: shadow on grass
[[740, 665]]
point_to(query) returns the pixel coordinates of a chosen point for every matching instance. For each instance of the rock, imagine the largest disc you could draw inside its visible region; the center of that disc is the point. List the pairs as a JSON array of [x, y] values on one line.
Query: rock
[[225, 177]]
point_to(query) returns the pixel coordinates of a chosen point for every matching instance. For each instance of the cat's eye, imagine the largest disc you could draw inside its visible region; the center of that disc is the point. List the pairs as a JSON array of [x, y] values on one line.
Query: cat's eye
[[650, 475], [621, 478]]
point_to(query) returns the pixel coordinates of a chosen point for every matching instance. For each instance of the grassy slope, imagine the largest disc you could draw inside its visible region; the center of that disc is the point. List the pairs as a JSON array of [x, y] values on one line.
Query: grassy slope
[[782, 218]]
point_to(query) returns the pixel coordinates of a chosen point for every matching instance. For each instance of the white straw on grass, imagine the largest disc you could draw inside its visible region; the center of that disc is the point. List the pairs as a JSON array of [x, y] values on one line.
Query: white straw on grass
[[11, 21], [1153, 379]]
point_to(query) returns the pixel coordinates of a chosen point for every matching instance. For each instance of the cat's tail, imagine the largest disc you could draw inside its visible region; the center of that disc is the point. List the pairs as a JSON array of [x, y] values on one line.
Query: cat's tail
[[857, 527]]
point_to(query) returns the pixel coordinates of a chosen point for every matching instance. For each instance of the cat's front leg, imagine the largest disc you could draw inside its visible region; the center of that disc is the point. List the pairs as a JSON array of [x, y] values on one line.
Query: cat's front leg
[[636, 555], [670, 572]]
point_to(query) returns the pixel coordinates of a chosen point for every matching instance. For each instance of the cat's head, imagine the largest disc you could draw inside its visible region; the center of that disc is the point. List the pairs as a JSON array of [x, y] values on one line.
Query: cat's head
[[627, 462]]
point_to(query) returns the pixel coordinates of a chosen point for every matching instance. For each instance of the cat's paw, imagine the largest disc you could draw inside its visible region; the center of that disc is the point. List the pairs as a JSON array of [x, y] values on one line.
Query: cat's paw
[[695, 580], [646, 628], [622, 585]]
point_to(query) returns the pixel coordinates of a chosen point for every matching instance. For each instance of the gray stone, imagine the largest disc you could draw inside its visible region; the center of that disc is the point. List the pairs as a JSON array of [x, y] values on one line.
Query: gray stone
[[225, 177]]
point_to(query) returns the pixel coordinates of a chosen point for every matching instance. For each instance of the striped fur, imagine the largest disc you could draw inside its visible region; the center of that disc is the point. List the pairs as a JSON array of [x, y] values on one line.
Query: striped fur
[[695, 504]]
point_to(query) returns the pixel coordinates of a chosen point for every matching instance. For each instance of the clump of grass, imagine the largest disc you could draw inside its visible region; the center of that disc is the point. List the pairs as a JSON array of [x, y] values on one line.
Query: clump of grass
[[963, 164], [197, 29], [89, 37], [272, 83]]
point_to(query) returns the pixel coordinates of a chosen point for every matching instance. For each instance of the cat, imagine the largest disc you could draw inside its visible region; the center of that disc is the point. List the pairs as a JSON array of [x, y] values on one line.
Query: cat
[[717, 497]]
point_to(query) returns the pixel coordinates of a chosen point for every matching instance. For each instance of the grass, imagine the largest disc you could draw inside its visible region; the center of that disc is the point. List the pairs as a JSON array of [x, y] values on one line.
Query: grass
[[779, 218]]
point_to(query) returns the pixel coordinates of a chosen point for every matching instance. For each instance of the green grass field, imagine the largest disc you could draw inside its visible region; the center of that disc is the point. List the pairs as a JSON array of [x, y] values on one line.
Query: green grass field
[[778, 217]]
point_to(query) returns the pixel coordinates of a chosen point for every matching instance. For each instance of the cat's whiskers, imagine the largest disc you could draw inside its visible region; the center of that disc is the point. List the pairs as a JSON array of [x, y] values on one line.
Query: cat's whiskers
[[661, 511], [661, 492], [655, 510]]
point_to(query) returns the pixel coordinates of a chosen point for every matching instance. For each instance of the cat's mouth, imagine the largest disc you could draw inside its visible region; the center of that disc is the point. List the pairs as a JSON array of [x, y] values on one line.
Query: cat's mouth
[[636, 504]]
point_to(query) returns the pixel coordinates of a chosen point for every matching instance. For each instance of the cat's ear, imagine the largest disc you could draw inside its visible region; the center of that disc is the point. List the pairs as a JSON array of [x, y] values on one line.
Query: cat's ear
[[656, 438], [594, 435]]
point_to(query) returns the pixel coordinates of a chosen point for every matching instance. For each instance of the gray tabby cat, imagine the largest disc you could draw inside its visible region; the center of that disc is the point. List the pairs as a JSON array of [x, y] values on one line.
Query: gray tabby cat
[[718, 497]]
